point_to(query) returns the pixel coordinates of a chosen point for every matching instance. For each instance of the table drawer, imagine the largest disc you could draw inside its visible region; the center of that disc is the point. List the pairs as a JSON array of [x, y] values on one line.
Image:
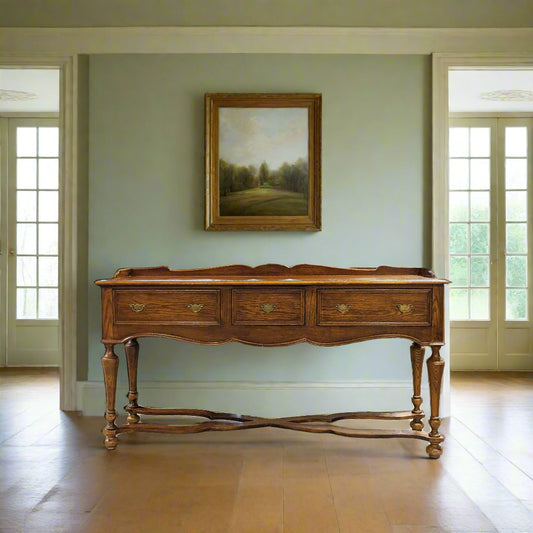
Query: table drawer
[[283, 307], [179, 306], [374, 306]]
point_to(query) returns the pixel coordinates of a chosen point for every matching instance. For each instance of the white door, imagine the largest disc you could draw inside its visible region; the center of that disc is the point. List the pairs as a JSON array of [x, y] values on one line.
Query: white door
[[31, 242], [491, 241]]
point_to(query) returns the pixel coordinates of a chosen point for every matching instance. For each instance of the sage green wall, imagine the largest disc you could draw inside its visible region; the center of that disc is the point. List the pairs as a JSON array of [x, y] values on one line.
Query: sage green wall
[[146, 192]]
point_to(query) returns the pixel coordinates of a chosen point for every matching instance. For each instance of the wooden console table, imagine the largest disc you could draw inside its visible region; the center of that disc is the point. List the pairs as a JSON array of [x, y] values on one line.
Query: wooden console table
[[273, 305]]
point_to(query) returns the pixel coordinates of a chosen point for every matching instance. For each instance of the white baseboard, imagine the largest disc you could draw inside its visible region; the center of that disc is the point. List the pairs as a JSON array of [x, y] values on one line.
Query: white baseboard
[[272, 399]]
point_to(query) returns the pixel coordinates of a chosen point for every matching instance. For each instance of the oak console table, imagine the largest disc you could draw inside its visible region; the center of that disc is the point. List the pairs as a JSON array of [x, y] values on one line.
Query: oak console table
[[274, 305]]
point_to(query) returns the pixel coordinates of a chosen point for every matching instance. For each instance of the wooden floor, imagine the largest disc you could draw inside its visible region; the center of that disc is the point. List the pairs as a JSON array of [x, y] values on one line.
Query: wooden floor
[[55, 474]]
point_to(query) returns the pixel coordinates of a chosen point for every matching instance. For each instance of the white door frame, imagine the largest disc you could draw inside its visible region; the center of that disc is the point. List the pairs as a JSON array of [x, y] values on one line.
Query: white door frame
[[68, 215], [442, 63]]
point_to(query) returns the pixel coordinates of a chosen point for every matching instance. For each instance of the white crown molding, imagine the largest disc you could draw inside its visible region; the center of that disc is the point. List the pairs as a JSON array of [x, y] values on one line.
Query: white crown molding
[[302, 40]]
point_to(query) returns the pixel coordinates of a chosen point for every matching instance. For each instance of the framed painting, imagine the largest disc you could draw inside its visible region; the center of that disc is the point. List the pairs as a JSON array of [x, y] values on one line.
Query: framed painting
[[263, 162]]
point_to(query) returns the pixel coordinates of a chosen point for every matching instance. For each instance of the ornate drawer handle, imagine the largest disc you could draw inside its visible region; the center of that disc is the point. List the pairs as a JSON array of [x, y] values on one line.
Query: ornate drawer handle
[[137, 308], [405, 308], [196, 308], [268, 308], [343, 308]]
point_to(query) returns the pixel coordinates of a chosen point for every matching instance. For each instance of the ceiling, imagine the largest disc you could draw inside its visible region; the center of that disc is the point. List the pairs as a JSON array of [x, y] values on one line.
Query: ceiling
[[29, 90], [488, 90], [480, 90]]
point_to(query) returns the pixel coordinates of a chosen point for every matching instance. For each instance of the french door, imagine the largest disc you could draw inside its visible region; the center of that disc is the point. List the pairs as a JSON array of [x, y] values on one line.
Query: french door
[[490, 243], [30, 243]]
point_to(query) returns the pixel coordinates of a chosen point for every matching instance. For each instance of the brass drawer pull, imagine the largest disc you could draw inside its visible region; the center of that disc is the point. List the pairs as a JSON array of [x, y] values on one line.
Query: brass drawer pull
[[196, 308], [137, 308], [343, 308], [268, 308], [405, 308]]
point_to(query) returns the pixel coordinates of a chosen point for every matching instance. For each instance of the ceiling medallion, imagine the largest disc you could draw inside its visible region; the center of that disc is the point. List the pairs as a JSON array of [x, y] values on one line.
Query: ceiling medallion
[[510, 95], [8, 95]]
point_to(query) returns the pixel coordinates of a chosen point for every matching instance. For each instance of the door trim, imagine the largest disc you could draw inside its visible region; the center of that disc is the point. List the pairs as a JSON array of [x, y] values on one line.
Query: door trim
[[68, 216], [3, 243]]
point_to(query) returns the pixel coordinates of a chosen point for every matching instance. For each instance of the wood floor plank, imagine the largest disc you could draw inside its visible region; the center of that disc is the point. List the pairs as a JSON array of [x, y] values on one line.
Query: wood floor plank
[[358, 504]]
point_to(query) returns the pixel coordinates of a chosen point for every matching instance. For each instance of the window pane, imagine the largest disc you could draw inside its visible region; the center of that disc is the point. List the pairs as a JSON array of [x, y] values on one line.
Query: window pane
[[26, 206], [459, 174], [480, 174], [48, 206], [480, 142], [26, 239], [459, 206], [48, 239], [26, 303], [479, 271], [516, 173], [516, 271], [480, 206], [458, 238], [480, 304], [516, 142], [26, 271], [48, 303], [517, 238], [458, 145], [26, 142], [48, 271], [459, 304], [470, 179], [49, 142], [479, 238], [48, 173], [459, 271], [26, 174], [516, 304], [516, 206]]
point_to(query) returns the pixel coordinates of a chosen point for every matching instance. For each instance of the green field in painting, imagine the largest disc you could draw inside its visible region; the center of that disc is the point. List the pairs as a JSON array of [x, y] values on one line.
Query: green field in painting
[[263, 202]]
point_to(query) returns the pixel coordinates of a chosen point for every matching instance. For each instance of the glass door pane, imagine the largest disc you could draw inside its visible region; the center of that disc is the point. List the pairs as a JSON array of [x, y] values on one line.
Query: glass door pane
[[516, 223], [37, 183], [470, 214]]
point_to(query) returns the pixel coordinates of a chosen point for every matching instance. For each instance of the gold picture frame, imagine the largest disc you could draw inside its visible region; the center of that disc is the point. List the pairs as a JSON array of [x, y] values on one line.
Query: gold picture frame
[[263, 162]]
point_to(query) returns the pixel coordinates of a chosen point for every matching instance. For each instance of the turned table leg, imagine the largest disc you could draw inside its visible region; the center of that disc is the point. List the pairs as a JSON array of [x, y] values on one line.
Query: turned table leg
[[435, 366], [110, 366], [417, 360], [132, 356]]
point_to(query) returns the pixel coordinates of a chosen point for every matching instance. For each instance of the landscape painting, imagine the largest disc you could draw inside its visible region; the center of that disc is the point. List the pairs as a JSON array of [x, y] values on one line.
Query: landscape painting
[[263, 162]]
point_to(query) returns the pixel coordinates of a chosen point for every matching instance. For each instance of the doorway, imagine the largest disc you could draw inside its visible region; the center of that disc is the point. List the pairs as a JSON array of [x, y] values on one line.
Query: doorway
[[483, 207], [29, 230]]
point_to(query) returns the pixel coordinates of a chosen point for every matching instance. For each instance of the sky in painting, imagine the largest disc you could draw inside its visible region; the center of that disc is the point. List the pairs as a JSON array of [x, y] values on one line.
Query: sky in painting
[[249, 136]]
